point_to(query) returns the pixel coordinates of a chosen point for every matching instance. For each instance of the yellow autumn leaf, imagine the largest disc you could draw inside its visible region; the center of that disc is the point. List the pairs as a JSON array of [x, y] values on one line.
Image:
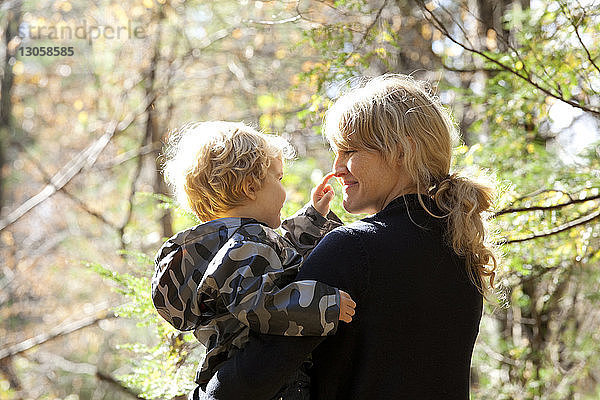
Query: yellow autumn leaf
[[18, 68], [518, 65], [82, 117], [426, 31], [237, 33], [66, 6], [530, 148], [280, 53]]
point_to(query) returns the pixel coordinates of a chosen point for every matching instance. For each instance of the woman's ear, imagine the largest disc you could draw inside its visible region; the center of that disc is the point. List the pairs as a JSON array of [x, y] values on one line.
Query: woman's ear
[[400, 150]]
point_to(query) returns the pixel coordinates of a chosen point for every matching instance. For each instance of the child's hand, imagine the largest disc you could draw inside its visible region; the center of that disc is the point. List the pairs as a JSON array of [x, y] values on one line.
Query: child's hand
[[347, 306], [322, 195]]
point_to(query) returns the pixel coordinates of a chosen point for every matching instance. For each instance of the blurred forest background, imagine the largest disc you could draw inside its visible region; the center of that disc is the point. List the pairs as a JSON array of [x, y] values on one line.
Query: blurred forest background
[[84, 207]]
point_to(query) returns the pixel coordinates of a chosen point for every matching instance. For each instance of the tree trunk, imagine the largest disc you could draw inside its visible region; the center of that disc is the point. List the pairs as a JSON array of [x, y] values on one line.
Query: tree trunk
[[11, 31], [154, 134]]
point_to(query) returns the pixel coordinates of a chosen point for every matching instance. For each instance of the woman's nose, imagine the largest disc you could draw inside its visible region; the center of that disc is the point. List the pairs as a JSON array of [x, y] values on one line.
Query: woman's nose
[[339, 166]]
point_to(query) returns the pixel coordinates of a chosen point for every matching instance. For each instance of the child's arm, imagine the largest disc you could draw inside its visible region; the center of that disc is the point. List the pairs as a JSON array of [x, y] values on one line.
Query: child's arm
[[313, 221], [245, 282]]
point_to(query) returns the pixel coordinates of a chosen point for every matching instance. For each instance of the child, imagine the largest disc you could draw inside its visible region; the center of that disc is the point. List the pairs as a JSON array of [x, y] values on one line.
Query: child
[[234, 272]]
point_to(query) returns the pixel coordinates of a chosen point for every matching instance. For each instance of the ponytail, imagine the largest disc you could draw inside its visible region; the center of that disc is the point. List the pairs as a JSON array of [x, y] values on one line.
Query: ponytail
[[463, 201]]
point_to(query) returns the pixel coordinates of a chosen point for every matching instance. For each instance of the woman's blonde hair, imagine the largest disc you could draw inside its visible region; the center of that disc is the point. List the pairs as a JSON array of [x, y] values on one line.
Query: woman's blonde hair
[[212, 165], [400, 118]]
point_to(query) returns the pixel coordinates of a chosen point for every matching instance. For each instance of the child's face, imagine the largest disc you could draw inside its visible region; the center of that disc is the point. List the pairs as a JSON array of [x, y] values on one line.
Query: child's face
[[270, 198]]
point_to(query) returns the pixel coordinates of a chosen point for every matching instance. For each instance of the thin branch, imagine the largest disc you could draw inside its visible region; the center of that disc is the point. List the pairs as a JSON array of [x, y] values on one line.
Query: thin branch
[[86, 158], [541, 191], [333, 7], [497, 356], [569, 225], [237, 71], [469, 70], [545, 208], [104, 377], [7, 288], [305, 17], [64, 176], [55, 333], [55, 361], [372, 24], [587, 52], [149, 122], [68, 193], [439, 25], [275, 22], [129, 155], [134, 180], [459, 25]]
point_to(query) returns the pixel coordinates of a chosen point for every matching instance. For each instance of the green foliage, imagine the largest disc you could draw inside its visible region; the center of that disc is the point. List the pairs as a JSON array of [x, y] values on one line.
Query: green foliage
[[165, 369]]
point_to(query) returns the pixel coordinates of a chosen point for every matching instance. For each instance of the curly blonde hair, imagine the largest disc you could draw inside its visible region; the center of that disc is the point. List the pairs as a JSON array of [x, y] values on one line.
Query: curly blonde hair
[[212, 165], [400, 118]]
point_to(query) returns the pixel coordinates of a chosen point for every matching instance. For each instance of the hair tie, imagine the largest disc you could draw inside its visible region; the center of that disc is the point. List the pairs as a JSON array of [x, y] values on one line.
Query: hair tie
[[436, 187]]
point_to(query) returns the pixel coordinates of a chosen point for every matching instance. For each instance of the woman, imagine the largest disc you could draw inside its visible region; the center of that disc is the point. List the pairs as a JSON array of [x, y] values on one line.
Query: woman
[[417, 267]]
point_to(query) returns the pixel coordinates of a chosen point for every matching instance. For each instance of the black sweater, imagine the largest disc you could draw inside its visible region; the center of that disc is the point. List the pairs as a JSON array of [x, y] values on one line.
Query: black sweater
[[416, 321]]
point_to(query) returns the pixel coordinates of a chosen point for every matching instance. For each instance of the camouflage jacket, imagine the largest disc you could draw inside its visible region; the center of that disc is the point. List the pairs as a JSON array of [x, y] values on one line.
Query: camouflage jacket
[[227, 276]]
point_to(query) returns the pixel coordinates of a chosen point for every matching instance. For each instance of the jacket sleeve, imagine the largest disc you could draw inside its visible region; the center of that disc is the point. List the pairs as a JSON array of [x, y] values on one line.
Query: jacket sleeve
[[174, 286], [307, 227], [244, 273]]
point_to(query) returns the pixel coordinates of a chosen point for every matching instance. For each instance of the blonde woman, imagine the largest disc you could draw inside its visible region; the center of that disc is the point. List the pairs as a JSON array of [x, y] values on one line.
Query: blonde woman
[[417, 267]]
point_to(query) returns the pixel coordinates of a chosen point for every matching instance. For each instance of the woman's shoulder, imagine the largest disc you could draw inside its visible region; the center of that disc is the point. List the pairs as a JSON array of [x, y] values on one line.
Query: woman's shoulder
[[354, 228], [351, 234]]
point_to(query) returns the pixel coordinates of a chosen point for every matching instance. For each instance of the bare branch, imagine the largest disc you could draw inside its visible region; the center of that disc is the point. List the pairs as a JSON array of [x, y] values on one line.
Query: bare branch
[[541, 191], [40, 250], [468, 70], [333, 7], [576, 28], [276, 22], [372, 24], [128, 155], [497, 356], [134, 179], [569, 225], [54, 361], [59, 331], [86, 158], [545, 208], [64, 176], [109, 379], [459, 25], [147, 136], [67, 192]]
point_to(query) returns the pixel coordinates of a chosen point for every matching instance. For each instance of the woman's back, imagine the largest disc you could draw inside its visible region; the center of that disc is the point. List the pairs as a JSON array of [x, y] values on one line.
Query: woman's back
[[418, 313]]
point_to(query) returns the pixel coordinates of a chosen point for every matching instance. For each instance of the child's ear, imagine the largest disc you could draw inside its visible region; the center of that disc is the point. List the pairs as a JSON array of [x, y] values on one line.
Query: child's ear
[[250, 189]]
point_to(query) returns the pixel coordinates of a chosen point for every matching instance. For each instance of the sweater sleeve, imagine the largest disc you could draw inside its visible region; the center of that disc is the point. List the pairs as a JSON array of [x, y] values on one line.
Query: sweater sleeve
[[260, 369], [306, 228], [245, 280]]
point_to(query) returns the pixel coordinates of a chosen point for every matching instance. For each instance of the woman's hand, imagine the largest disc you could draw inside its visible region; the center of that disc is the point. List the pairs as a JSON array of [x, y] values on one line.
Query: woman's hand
[[347, 306], [322, 194]]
